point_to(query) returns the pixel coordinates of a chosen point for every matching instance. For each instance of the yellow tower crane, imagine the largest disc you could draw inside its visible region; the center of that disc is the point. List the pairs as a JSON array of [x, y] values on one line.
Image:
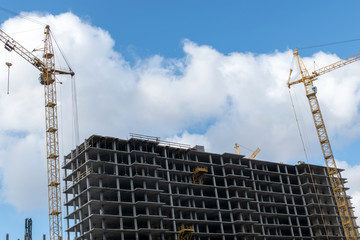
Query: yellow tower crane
[[47, 78], [348, 222], [257, 150]]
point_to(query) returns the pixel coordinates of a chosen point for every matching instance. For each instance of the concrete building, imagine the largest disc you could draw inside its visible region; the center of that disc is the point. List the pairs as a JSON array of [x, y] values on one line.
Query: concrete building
[[147, 189]]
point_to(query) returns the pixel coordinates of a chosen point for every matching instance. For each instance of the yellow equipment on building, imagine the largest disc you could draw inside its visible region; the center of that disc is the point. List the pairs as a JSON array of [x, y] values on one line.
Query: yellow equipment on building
[[185, 232], [252, 156], [199, 175]]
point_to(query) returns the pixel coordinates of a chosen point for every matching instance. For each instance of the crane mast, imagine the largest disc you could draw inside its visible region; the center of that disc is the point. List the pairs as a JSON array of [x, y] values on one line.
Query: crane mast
[[52, 139], [47, 78], [307, 79]]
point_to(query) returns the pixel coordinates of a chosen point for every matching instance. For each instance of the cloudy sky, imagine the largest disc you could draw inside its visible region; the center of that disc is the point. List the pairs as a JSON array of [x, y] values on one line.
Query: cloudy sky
[[196, 73]]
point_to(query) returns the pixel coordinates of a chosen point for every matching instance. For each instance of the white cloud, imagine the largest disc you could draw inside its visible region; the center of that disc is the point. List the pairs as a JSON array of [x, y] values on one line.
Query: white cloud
[[204, 98], [23, 170]]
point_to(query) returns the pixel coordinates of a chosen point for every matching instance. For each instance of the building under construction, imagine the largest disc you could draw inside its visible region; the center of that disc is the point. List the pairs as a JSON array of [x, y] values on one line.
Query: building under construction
[[147, 189]]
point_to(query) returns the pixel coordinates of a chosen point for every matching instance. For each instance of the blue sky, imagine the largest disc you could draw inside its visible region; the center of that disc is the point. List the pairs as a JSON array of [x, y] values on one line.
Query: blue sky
[[149, 35], [157, 27]]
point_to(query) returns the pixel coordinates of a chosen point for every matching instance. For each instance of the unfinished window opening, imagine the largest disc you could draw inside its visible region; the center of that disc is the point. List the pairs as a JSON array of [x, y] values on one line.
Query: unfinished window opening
[[105, 157], [238, 172], [138, 184], [109, 170], [291, 210], [226, 160], [121, 145], [110, 196], [225, 217], [283, 221], [282, 168], [260, 177], [277, 188], [295, 190], [286, 232], [210, 204], [139, 197], [228, 229], [216, 160], [235, 161], [275, 178], [298, 201], [300, 210], [272, 168], [215, 228], [294, 181], [219, 182], [202, 158], [291, 169], [125, 184], [218, 171], [128, 224], [305, 232], [279, 199], [197, 191], [140, 211]]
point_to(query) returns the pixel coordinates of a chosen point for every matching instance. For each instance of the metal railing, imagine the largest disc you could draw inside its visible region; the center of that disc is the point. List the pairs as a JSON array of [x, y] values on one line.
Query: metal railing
[[160, 142]]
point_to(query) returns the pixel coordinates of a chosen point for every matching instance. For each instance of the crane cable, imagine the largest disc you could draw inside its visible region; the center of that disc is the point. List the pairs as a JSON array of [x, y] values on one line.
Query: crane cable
[[60, 49], [62, 118], [75, 122], [307, 160], [245, 148], [330, 44], [25, 31], [75, 112], [22, 16]]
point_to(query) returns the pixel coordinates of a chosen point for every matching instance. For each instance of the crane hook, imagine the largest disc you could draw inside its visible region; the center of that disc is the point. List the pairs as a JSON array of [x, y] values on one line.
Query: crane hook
[[9, 65]]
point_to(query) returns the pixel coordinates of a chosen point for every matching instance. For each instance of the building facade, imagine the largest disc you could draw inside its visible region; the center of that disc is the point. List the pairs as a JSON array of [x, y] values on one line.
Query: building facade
[[147, 189]]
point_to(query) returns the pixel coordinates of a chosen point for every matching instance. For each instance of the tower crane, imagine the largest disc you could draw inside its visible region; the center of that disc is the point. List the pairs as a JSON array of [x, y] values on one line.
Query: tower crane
[[348, 222], [252, 156], [47, 69]]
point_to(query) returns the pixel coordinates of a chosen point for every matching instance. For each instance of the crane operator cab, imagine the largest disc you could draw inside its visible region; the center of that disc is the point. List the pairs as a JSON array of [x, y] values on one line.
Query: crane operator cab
[[45, 81], [312, 91]]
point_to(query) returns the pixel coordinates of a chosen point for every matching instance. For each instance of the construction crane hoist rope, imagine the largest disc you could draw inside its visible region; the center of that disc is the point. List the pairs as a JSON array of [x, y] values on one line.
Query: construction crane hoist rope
[[348, 222], [47, 78]]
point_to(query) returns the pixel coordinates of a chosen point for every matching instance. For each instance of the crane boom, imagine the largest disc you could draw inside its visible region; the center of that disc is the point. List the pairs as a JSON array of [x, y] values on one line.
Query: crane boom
[[336, 65], [47, 68], [253, 155], [11, 44], [348, 222]]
